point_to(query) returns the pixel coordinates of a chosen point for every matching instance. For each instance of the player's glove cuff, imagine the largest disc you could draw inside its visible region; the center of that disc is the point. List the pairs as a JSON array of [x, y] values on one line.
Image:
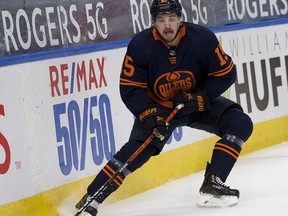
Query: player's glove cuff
[[152, 118]]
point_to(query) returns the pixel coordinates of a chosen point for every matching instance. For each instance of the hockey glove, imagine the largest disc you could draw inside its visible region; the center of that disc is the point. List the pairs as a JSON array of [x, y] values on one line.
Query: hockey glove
[[196, 101], [151, 118]]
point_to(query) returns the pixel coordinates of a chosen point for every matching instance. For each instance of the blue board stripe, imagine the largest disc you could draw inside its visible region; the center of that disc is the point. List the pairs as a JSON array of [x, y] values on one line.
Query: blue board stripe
[[12, 60]]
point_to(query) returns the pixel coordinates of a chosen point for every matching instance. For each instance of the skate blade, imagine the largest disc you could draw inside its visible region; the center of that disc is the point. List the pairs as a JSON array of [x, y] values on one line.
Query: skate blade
[[210, 201], [84, 213]]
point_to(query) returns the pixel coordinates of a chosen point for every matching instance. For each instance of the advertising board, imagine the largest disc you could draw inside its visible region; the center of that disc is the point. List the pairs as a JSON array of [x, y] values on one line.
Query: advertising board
[[31, 26]]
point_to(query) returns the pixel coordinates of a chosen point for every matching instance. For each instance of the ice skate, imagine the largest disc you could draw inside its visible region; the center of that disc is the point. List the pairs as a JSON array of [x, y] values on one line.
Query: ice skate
[[91, 208], [214, 193]]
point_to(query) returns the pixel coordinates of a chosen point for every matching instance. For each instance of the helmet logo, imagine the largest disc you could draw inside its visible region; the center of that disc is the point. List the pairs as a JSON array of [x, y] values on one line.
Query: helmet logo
[[165, 7]]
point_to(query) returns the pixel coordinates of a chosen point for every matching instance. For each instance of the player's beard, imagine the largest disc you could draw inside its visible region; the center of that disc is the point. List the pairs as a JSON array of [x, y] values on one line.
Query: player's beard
[[165, 35], [168, 40], [168, 35]]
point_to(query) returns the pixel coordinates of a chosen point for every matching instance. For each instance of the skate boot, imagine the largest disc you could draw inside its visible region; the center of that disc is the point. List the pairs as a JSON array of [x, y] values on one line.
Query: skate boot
[[91, 208], [214, 193]]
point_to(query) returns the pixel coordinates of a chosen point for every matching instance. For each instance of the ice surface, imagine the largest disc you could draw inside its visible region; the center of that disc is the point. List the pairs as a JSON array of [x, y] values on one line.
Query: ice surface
[[261, 178]]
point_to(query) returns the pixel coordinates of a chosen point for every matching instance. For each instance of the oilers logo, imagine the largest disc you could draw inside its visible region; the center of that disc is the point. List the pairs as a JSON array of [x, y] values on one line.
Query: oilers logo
[[171, 83]]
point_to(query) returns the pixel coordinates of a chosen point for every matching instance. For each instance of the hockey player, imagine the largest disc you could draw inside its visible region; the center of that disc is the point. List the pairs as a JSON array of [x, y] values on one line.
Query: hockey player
[[170, 63]]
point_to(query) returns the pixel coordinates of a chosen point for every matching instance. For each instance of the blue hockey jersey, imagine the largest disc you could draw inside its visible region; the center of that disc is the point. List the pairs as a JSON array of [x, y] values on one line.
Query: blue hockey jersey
[[152, 72]]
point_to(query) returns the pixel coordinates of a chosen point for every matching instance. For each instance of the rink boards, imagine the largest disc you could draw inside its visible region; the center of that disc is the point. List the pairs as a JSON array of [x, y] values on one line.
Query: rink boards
[[62, 118]]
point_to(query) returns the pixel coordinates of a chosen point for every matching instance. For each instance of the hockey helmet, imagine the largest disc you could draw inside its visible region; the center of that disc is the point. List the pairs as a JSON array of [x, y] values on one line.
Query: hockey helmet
[[165, 6]]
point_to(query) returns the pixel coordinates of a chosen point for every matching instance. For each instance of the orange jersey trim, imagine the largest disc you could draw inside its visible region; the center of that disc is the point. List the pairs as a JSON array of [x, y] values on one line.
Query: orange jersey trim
[[222, 72], [168, 104], [127, 82]]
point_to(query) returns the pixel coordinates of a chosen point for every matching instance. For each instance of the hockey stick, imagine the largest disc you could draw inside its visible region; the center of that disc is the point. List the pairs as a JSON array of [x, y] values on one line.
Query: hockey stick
[[121, 168]]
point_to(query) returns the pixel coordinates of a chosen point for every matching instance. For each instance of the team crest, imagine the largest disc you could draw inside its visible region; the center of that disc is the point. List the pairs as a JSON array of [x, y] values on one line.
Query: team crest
[[171, 83]]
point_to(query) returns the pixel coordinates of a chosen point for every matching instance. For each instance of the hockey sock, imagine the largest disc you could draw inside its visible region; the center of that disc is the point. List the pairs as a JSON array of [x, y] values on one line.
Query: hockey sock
[[103, 176], [225, 154], [236, 127]]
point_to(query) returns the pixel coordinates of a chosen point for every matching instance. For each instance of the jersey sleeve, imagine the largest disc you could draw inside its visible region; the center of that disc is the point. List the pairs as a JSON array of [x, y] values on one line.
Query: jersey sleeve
[[221, 71], [134, 81]]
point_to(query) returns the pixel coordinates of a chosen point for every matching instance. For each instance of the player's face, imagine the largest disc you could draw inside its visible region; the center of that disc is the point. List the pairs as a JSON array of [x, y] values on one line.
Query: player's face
[[167, 26]]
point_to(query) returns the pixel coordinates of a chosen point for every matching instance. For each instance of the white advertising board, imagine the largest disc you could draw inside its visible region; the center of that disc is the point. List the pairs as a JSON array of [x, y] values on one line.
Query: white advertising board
[[261, 56], [81, 120], [16, 179]]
